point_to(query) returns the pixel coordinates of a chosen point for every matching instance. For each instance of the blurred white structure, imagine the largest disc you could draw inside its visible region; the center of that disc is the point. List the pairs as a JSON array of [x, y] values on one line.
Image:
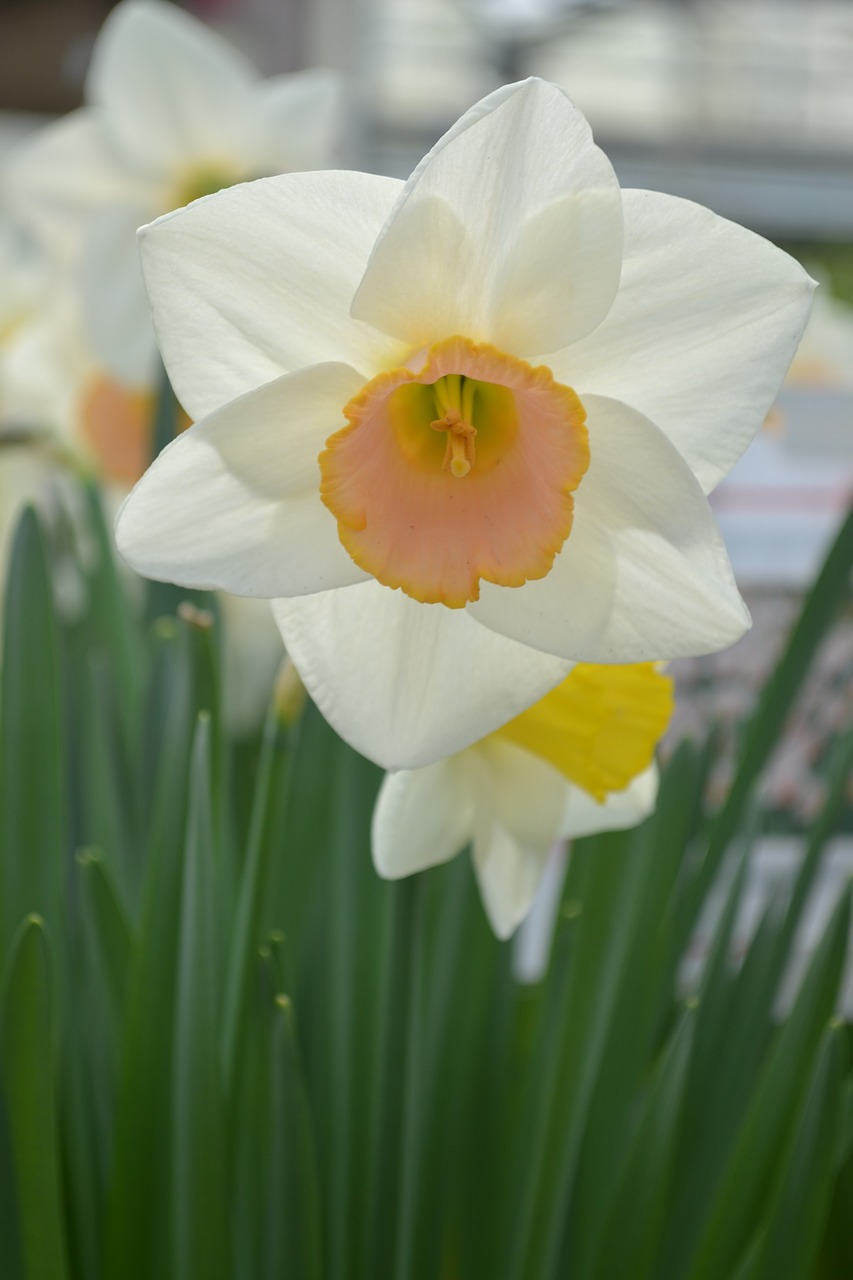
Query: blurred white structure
[[743, 105], [780, 506]]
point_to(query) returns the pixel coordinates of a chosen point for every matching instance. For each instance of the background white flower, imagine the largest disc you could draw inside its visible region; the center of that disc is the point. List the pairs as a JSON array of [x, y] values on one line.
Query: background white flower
[[62, 416], [172, 112], [513, 794]]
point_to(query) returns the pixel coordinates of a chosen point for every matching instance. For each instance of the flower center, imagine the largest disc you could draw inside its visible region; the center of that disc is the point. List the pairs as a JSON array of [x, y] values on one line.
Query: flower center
[[454, 395], [390, 477], [201, 182], [460, 454], [600, 727]]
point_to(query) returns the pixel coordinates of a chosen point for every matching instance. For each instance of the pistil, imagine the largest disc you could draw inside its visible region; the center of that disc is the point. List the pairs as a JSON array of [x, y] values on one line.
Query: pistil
[[459, 455]]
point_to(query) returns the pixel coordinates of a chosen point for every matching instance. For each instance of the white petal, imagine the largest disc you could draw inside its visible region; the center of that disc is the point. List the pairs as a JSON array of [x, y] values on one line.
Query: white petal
[[706, 321], [527, 794], [59, 175], [172, 92], [508, 875], [584, 816], [44, 361], [116, 311], [422, 817], [257, 281], [509, 231], [234, 501], [520, 801], [304, 117], [407, 683], [644, 574], [562, 274]]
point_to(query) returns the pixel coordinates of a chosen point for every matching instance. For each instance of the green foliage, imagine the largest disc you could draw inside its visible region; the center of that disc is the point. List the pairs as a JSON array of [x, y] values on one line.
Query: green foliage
[[227, 1049]]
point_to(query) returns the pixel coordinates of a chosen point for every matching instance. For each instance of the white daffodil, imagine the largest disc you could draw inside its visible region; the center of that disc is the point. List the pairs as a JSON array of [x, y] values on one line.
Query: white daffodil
[[579, 761], [461, 427], [172, 112], [51, 384], [61, 414]]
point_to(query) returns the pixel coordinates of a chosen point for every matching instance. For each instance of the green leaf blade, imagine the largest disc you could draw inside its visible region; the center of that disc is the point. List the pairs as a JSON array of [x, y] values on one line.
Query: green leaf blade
[[27, 1071], [201, 1217]]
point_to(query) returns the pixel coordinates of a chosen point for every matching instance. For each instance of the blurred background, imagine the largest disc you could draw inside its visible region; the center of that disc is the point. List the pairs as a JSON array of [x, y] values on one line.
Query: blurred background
[[743, 105]]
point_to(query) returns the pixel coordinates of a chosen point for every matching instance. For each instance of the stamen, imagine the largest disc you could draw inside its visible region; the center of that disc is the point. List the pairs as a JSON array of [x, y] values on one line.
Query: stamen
[[448, 392], [459, 455], [468, 390]]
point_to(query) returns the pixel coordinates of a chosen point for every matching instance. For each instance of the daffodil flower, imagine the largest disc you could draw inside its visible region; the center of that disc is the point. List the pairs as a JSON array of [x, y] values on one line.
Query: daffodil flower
[[172, 112], [579, 761], [460, 429]]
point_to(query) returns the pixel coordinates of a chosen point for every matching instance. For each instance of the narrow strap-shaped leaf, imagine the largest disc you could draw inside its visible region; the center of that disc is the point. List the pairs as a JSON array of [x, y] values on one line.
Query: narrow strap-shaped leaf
[[273, 1171], [677, 819], [32, 745], [108, 929], [200, 1208], [778, 1096], [761, 975], [721, 1007], [395, 998], [85, 1104], [205, 644], [642, 1196], [729, 1053], [138, 1215], [412, 1133], [250, 1104], [715, 983], [765, 726], [91, 1046], [609, 902], [274, 771], [298, 826], [292, 1242], [451, 985], [736, 1012], [27, 1072], [747, 1265], [164, 750], [354, 914], [635, 1024], [798, 1211], [101, 781], [845, 1128], [110, 619], [836, 1252]]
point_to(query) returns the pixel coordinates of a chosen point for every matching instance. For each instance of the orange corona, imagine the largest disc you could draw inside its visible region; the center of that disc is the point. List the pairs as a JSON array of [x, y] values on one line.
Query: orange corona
[[458, 471]]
